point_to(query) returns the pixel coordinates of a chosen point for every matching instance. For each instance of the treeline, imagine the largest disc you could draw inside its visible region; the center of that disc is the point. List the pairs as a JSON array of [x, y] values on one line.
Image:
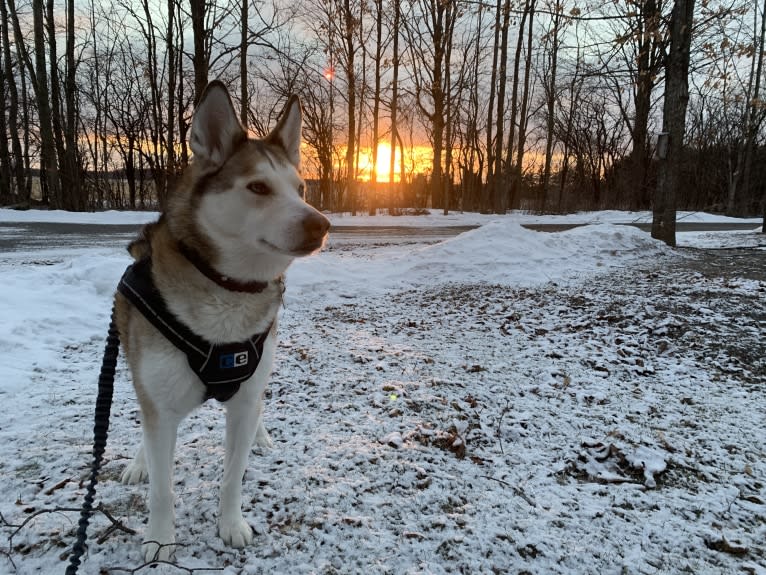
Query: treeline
[[545, 105]]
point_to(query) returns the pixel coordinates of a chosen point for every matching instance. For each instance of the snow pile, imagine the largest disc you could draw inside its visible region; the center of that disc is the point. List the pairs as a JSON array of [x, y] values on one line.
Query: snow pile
[[501, 252]]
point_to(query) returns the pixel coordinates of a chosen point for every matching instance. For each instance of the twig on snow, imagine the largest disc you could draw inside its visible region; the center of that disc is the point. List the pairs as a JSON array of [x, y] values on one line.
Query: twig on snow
[[516, 489], [153, 564], [116, 524]]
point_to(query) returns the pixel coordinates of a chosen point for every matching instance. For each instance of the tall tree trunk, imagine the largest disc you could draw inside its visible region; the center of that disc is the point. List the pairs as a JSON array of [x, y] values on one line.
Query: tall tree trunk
[[17, 165], [358, 138], [76, 193], [514, 104], [6, 188], [394, 105], [65, 201], [498, 196], [648, 39], [25, 105], [243, 43], [170, 47], [373, 200], [750, 125], [448, 115], [550, 107], [49, 176], [437, 94], [183, 125], [351, 99], [200, 59], [491, 109], [673, 123], [519, 166]]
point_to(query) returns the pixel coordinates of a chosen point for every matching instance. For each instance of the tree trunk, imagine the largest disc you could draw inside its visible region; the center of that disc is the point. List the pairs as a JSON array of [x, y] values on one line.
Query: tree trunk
[[49, 173], [550, 104], [450, 28], [17, 164], [491, 109], [510, 168], [372, 199], [498, 195], [350, 50], [200, 59], [673, 123], [648, 39], [170, 47], [243, 93], [73, 185], [65, 200], [516, 188], [394, 104], [6, 188], [750, 125]]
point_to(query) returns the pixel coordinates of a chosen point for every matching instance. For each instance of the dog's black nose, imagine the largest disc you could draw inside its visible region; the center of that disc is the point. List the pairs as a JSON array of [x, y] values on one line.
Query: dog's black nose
[[315, 225]]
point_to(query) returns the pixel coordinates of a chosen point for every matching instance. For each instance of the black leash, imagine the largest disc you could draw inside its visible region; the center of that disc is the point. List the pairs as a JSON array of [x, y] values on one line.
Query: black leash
[[100, 432]]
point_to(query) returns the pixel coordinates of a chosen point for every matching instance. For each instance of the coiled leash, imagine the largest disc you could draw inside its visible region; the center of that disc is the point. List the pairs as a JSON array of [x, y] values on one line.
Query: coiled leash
[[100, 432]]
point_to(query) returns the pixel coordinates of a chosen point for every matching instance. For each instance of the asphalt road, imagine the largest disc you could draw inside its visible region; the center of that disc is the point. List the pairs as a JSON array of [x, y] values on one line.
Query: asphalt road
[[32, 236]]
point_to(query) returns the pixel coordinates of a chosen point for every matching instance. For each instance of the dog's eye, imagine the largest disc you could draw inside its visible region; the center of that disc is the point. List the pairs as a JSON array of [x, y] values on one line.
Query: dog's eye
[[259, 188], [302, 190]]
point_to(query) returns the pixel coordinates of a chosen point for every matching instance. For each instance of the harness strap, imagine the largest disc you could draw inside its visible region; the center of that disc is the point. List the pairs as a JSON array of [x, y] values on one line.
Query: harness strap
[[221, 367]]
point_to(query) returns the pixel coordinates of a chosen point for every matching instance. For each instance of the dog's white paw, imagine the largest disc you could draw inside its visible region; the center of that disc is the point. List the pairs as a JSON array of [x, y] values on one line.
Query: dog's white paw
[[135, 472], [262, 438], [159, 549], [235, 533]]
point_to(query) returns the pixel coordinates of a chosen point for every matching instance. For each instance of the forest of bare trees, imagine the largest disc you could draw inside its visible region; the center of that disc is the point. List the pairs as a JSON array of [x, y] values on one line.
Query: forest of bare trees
[[481, 105]]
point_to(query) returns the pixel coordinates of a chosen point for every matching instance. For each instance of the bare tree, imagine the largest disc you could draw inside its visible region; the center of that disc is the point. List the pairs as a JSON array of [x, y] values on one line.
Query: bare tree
[[18, 192], [641, 42], [430, 74], [394, 100], [673, 123], [553, 39], [498, 196], [520, 147], [741, 179], [38, 74]]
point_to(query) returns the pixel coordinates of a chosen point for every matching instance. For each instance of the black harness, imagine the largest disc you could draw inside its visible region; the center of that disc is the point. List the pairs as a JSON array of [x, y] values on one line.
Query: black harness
[[221, 367]]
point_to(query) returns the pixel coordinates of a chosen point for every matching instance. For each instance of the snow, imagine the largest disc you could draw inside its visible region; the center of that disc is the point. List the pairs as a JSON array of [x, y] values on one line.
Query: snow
[[501, 401]]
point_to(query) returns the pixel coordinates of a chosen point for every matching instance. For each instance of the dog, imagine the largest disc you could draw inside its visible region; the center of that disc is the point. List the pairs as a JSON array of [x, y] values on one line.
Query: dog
[[214, 262]]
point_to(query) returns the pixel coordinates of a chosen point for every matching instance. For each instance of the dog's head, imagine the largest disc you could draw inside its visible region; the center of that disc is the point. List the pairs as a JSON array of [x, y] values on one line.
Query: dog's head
[[244, 196]]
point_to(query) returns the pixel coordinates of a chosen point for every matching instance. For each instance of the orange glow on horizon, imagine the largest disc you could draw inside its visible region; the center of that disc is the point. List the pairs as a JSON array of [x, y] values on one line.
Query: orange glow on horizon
[[417, 160]]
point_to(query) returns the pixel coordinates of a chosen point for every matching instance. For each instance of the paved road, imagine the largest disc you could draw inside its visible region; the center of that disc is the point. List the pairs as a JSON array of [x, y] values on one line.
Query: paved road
[[31, 236]]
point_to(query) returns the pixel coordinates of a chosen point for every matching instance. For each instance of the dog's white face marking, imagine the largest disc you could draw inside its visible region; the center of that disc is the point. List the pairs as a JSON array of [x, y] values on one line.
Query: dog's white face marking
[[252, 207]]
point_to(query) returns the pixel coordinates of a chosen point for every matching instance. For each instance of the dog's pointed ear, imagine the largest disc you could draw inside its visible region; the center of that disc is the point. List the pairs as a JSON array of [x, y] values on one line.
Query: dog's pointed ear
[[215, 130], [287, 132]]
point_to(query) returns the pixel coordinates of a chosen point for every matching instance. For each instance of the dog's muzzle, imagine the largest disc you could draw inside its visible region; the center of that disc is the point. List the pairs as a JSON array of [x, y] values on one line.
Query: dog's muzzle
[[315, 228]]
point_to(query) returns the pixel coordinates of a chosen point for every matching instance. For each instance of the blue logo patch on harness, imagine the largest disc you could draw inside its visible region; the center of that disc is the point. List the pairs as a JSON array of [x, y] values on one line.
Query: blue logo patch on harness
[[232, 360]]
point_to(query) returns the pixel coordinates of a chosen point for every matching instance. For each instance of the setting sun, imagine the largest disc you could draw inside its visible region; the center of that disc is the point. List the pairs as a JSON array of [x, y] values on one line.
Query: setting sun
[[416, 160], [383, 164]]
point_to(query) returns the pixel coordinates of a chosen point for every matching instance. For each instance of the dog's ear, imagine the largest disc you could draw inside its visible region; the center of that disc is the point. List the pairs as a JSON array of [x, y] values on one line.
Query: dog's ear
[[215, 130], [287, 132]]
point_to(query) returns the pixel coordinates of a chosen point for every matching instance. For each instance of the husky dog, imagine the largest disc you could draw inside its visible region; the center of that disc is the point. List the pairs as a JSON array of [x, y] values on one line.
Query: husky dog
[[213, 263]]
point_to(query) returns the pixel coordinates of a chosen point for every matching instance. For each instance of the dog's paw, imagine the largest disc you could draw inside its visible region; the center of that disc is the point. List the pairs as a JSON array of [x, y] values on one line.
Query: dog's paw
[[262, 438], [135, 472], [236, 533], [155, 550]]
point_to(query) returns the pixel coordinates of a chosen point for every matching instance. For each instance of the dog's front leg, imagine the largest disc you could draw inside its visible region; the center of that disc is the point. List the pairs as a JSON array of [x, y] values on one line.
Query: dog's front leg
[[242, 420], [159, 446]]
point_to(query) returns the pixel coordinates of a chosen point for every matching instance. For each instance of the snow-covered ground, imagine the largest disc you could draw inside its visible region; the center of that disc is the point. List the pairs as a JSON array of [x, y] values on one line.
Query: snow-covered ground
[[505, 401]]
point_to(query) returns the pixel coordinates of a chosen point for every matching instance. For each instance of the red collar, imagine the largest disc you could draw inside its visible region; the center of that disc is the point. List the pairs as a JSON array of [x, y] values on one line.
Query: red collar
[[224, 281]]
